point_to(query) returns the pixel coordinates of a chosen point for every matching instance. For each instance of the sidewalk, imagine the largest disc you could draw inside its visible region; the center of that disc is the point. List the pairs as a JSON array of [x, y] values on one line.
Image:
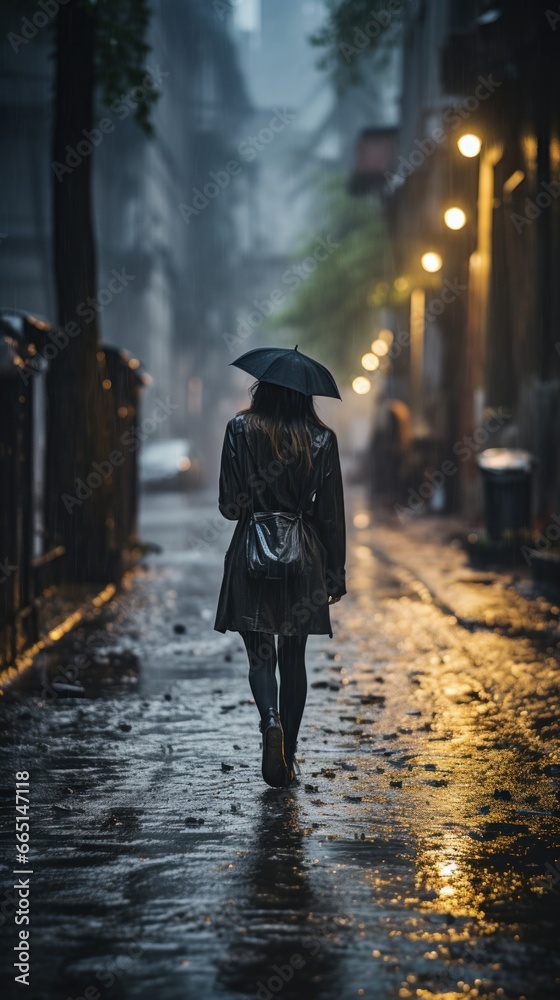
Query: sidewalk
[[428, 550], [417, 856], [57, 611]]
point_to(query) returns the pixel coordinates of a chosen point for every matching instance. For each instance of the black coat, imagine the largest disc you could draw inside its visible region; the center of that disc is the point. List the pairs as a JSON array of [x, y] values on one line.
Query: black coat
[[250, 474]]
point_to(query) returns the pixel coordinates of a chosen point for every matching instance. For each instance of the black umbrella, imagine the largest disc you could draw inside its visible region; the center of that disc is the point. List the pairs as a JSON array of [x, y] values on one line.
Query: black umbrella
[[289, 367]]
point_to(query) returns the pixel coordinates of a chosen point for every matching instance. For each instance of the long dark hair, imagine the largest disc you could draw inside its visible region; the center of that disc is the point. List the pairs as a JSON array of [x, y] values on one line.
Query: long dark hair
[[286, 416]]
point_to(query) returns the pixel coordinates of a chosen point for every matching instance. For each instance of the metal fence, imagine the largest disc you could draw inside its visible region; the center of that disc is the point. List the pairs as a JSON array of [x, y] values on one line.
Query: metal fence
[[29, 563]]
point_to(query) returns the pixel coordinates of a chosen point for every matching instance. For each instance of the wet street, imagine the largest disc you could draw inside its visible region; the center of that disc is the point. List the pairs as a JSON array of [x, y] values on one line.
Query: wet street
[[418, 857]]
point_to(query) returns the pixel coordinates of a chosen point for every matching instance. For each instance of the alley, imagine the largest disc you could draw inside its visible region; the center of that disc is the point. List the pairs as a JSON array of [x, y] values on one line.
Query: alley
[[416, 858]]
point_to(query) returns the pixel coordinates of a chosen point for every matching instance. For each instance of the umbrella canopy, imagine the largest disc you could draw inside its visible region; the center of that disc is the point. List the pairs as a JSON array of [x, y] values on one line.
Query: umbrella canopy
[[288, 367]]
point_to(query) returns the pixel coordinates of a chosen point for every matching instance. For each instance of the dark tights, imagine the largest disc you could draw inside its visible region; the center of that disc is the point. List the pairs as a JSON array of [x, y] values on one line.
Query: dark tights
[[262, 655]]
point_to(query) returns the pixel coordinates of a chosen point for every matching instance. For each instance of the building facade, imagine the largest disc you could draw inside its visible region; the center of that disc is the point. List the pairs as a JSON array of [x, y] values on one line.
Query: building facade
[[479, 135]]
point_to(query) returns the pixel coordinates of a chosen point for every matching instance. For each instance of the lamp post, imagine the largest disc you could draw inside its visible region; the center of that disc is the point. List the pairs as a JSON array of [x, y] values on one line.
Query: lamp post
[[480, 266], [431, 262]]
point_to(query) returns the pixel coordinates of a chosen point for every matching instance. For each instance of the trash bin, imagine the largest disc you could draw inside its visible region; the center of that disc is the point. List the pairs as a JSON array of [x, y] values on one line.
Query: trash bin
[[507, 478]]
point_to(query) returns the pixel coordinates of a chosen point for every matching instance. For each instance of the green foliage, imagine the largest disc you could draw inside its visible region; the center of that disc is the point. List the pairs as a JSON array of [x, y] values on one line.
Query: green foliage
[[121, 51], [347, 45], [332, 308]]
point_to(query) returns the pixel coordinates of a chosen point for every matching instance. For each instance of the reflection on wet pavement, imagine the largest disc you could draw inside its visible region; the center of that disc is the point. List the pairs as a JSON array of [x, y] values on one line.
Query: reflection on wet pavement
[[282, 928], [417, 858]]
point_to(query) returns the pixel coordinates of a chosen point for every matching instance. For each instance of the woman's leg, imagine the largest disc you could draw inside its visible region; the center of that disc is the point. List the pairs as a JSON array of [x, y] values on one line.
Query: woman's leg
[[293, 687], [261, 652]]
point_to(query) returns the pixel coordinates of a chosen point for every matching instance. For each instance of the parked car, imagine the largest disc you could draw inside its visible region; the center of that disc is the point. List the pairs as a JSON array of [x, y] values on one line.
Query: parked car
[[170, 465]]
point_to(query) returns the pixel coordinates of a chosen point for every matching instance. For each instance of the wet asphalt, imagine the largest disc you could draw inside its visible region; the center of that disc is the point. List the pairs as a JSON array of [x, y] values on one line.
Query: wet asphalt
[[418, 857]]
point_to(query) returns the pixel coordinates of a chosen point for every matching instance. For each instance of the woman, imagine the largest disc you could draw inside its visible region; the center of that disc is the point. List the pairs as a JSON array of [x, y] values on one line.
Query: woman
[[279, 456]]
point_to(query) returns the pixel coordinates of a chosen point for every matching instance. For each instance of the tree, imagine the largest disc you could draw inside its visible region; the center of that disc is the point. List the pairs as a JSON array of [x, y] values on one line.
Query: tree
[[97, 45], [332, 305], [332, 308], [354, 29]]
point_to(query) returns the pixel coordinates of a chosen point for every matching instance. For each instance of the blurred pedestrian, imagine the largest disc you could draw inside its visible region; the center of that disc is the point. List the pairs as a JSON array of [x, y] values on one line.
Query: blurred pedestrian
[[280, 479], [390, 451]]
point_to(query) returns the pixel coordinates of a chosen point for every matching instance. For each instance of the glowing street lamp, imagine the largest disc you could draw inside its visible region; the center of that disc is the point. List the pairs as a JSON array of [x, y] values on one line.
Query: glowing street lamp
[[380, 347], [401, 284], [361, 385], [469, 145], [370, 362], [454, 218], [431, 261], [361, 520], [386, 336]]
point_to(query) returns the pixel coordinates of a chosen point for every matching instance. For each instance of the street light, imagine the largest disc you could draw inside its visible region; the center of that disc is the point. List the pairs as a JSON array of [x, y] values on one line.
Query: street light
[[361, 385], [380, 347], [454, 218], [431, 261], [370, 362], [478, 300], [469, 144], [386, 336], [401, 284]]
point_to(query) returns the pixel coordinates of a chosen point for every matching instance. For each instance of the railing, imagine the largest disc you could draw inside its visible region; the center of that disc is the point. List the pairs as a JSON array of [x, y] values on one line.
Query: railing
[[30, 563]]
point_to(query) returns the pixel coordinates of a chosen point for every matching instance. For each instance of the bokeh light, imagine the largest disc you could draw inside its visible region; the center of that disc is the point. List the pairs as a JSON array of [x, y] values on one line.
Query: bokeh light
[[401, 284], [361, 385], [386, 335], [380, 347], [454, 218], [361, 520], [469, 144], [370, 362], [431, 261]]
